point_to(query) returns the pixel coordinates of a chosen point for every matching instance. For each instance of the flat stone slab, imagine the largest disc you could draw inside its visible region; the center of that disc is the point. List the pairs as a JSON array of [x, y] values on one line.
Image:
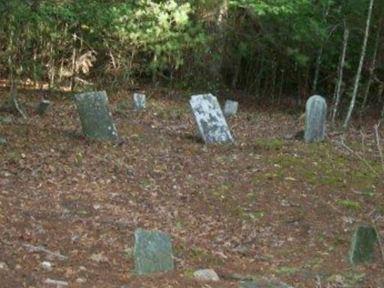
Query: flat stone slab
[[210, 120], [139, 101], [96, 120], [206, 275], [230, 108], [152, 252], [264, 283], [363, 244]]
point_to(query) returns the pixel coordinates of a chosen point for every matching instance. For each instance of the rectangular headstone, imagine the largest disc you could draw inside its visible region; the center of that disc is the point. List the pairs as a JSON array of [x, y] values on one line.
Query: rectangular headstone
[[210, 119], [42, 107], [96, 120], [152, 252], [315, 119], [230, 108], [363, 244], [138, 101]]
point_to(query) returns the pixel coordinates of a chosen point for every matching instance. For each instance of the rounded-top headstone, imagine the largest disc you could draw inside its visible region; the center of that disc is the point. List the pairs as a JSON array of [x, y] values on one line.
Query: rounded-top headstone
[[315, 119]]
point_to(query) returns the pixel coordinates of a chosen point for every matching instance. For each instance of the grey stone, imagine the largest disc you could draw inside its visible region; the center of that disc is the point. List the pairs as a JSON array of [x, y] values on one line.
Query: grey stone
[[210, 120], [3, 141], [315, 119], [206, 275], [230, 108], [152, 252], [43, 107], [96, 120], [363, 244], [138, 101]]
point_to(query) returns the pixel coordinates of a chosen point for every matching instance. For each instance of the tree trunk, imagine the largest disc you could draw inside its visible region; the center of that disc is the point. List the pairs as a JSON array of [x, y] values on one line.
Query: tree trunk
[[358, 73], [337, 94]]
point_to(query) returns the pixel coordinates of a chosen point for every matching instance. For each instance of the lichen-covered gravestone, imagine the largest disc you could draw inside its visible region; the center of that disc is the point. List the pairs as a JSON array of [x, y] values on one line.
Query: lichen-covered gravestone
[[138, 101], [42, 107], [210, 120], [315, 119], [96, 120], [152, 252], [363, 244], [230, 108]]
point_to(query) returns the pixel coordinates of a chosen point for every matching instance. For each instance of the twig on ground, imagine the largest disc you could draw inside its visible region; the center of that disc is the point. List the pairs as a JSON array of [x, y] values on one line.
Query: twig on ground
[[379, 148], [345, 146], [32, 248]]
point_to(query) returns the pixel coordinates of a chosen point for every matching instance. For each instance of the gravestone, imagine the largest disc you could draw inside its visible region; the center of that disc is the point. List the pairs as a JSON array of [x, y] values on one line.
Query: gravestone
[[138, 101], [230, 108], [315, 119], [42, 107], [152, 252], [264, 283], [96, 120], [3, 141], [363, 244], [210, 120]]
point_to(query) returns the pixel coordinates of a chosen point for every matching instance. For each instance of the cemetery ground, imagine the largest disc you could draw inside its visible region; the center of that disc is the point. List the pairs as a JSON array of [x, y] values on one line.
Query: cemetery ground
[[267, 206]]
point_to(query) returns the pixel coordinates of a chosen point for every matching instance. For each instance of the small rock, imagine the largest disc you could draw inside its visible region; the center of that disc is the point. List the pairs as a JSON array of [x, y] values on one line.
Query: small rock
[[81, 280], [3, 266], [206, 275], [46, 265], [57, 283]]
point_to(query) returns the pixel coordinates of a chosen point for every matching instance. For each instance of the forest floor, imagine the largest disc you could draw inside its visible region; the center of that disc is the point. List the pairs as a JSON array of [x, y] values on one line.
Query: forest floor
[[267, 206]]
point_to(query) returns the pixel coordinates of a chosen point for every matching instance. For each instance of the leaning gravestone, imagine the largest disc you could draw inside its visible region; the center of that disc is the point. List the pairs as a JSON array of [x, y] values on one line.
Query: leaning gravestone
[[152, 252], [42, 107], [315, 119], [363, 244], [138, 101], [210, 120], [230, 108], [96, 120]]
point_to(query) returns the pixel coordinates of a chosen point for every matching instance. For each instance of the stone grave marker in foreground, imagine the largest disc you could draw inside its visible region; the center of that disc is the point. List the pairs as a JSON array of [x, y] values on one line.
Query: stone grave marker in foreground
[[43, 107], [315, 119], [96, 120], [230, 108], [138, 101], [210, 120], [363, 244], [152, 252]]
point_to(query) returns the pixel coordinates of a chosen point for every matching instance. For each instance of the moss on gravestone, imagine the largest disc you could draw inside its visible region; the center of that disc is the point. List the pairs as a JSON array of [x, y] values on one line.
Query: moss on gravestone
[[363, 244]]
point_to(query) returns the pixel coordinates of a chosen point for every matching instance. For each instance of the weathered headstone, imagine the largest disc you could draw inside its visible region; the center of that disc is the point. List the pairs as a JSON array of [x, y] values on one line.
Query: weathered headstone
[[152, 252], [42, 107], [138, 101], [363, 244], [315, 119], [230, 108], [96, 120], [210, 120], [3, 141]]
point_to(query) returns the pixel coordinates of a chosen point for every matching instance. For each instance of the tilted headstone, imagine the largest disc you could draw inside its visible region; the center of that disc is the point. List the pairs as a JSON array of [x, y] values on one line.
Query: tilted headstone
[[230, 108], [315, 119], [210, 120], [363, 244], [138, 101], [96, 120], [42, 107], [152, 252]]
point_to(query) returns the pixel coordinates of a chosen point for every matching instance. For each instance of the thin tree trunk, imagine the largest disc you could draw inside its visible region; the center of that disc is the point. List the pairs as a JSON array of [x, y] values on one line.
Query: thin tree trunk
[[337, 94], [372, 67], [358, 73]]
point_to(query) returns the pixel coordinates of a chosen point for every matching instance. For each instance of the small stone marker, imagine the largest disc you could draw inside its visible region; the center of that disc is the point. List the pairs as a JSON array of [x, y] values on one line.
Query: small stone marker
[[96, 120], [42, 107], [264, 283], [315, 119], [212, 125], [206, 275], [3, 141], [152, 252], [230, 108], [363, 244], [138, 101]]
